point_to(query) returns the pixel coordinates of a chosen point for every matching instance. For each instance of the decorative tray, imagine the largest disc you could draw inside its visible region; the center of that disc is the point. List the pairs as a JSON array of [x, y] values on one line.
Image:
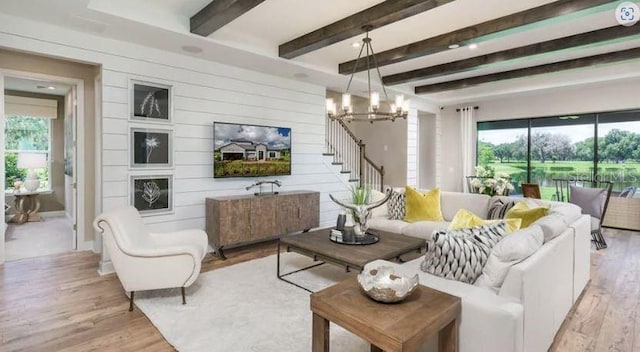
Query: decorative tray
[[349, 238]]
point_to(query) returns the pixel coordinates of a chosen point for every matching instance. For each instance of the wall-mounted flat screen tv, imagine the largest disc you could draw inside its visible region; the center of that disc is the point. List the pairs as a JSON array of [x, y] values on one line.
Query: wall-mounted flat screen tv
[[250, 150]]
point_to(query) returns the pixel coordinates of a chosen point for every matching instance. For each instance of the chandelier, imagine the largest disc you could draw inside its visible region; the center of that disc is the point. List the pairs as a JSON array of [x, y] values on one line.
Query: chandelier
[[398, 109]]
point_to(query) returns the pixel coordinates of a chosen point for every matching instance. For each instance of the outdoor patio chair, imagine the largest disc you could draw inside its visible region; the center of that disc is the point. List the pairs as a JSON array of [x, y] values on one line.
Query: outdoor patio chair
[[593, 198], [627, 192], [531, 190]]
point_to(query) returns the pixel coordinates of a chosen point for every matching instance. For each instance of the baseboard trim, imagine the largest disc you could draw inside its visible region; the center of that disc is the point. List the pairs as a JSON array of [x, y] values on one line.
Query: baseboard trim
[[52, 214], [85, 246], [106, 268]]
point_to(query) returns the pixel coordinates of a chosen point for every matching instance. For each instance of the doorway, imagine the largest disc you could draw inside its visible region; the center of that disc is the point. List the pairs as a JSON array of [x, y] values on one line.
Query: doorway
[[39, 123]]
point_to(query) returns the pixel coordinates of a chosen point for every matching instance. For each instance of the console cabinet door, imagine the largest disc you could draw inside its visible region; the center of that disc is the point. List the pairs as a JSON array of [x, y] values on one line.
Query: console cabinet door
[[309, 211], [297, 212], [263, 217], [234, 221]]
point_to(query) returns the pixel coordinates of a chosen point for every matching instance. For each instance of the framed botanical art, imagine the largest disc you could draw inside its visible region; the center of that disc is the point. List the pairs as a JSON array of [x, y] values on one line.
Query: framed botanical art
[[151, 148], [152, 194], [150, 101]]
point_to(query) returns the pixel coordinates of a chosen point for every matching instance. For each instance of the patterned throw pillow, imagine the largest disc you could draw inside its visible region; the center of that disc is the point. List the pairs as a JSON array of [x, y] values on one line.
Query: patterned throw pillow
[[461, 254], [396, 205], [499, 208]]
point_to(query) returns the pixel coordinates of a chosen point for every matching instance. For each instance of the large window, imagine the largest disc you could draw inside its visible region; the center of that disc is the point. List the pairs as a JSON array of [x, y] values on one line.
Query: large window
[[604, 146], [26, 134]]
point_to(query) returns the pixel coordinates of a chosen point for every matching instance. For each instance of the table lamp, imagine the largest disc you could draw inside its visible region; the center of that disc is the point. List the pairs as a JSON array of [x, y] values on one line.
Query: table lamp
[[32, 161]]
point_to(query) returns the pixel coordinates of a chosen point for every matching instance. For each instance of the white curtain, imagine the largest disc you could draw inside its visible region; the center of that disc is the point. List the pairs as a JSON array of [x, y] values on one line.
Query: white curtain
[[467, 138]]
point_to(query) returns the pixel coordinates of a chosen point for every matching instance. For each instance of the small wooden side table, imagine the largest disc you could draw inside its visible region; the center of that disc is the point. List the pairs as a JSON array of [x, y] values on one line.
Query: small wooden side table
[[26, 204], [399, 327]]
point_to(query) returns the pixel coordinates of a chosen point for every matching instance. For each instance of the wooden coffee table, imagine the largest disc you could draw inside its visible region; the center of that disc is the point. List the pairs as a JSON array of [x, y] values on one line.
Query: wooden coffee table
[[398, 327], [316, 244]]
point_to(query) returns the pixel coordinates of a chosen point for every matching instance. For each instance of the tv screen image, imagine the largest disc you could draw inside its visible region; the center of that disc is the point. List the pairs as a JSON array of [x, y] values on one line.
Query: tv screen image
[[250, 150]]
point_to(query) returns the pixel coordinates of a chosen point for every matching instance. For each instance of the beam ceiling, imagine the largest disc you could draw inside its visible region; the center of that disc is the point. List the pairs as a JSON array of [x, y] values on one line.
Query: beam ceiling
[[218, 13], [468, 34], [376, 16], [593, 37], [601, 59]]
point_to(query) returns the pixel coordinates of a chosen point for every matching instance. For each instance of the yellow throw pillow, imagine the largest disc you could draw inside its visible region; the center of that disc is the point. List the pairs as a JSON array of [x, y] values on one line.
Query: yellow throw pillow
[[465, 219], [528, 215], [421, 207]]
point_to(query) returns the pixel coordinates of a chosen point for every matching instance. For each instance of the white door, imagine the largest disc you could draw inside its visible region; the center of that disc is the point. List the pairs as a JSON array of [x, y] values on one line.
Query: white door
[[74, 184]]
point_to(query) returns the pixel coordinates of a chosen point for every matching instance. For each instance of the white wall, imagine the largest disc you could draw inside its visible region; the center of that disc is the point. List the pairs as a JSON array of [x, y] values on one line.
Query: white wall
[[204, 92], [600, 97], [426, 150]]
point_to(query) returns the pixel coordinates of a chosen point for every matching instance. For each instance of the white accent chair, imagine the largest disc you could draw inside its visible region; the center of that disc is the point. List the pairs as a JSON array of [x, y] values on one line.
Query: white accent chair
[[149, 261]]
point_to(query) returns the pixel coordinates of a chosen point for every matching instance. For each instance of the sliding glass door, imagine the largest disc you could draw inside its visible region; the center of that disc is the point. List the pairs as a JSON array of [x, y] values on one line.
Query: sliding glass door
[[561, 148], [604, 146], [502, 146]]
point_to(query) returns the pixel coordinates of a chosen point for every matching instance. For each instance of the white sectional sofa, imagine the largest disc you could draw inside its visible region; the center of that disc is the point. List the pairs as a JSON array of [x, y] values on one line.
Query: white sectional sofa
[[527, 310]]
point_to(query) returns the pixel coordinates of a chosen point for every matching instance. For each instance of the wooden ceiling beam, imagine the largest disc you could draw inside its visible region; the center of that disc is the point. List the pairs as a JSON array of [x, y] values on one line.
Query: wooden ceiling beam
[[376, 16], [466, 35], [218, 13], [589, 61], [601, 35]]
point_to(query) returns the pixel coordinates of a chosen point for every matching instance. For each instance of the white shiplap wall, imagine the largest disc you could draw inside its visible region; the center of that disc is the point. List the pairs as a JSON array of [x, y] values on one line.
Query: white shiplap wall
[[412, 148], [204, 92]]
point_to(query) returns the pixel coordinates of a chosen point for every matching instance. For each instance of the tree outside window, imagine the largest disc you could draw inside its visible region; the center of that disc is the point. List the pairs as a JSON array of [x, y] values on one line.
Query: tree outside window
[[25, 134]]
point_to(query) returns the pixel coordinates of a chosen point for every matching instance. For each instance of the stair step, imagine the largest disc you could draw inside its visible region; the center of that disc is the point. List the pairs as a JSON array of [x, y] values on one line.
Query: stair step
[[336, 163], [345, 172], [353, 180], [328, 154]]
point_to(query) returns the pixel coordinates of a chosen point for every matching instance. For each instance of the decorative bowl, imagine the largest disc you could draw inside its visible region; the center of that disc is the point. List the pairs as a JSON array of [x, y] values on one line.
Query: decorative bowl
[[383, 285]]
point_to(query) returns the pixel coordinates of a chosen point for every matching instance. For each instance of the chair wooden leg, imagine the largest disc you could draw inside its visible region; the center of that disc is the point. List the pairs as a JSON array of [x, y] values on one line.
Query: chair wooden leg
[[184, 300], [131, 301]]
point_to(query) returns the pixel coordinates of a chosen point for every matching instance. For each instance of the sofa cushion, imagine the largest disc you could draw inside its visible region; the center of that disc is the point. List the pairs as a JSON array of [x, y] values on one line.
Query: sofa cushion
[[528, 215], [551, 225], [451, 202], [510, 251], [461, 254], [422, 206], [498, 207], [384, 224], [424, 229], [396, 205]]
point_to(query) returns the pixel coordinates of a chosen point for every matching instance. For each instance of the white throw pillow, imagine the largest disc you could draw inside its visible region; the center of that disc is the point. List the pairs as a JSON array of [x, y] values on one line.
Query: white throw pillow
[[513, 249], [552, 226]]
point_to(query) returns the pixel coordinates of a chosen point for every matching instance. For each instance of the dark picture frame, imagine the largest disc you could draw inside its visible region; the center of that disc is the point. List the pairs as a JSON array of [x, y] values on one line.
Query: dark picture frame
[[150, 148], [152, 195], [150, 101]]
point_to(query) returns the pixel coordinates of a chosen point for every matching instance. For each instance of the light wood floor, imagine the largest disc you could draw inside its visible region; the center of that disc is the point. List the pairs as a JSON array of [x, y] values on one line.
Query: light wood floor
[[60, 303]]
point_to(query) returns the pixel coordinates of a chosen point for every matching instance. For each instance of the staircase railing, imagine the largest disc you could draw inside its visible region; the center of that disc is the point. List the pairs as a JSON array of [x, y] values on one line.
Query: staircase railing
[[350, 152]]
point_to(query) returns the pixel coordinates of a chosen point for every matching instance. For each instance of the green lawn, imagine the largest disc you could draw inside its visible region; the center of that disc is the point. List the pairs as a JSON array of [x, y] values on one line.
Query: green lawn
[[623, 174]]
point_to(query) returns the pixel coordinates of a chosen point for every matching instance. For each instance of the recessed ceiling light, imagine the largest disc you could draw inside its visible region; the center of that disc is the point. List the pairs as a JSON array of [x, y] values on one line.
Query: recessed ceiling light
[[46, 87], [355, 44], [473, 46], [51, 87], [192, 49], [454, 46]]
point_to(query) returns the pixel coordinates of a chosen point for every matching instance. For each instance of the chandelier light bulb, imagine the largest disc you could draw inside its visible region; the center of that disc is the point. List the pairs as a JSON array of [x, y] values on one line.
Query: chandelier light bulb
[[346, 101], [405, 106], [331, 107], [399, 102], [375, 101]]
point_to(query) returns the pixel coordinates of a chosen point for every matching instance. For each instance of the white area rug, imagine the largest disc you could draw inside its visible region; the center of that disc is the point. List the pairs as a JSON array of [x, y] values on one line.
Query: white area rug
[[245, 307]]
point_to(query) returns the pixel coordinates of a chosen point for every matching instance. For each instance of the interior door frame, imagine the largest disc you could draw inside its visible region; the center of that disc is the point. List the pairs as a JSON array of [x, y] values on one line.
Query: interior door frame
[[79, 236]]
